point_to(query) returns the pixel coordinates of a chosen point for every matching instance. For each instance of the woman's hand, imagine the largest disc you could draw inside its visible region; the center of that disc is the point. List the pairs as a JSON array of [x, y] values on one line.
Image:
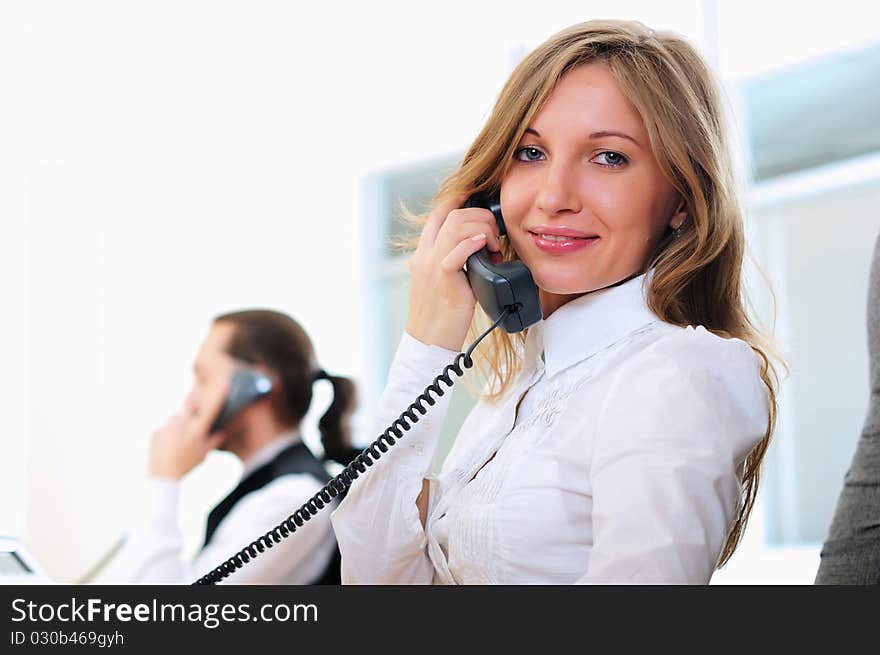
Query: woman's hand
[[441, 303]]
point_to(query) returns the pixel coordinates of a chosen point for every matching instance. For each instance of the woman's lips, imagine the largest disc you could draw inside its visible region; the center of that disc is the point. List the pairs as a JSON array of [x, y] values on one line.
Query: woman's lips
[[560, 244]]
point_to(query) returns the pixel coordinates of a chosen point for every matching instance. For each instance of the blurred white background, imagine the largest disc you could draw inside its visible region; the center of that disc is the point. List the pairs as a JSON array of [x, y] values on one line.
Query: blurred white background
[[163, 162]]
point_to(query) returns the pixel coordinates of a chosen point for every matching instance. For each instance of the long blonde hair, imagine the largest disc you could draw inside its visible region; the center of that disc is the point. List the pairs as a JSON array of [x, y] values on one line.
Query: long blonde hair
[[698, 275]]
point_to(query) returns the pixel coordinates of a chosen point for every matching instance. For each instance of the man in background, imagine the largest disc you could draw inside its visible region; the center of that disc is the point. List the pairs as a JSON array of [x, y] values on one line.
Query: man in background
[[279, 472]]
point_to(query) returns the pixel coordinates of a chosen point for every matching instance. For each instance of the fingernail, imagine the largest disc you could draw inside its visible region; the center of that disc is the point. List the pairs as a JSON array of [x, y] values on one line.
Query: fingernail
[[478, 237]]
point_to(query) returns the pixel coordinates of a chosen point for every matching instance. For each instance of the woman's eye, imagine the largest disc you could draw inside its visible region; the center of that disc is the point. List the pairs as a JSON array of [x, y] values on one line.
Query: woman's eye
[[529, 153], [611, 159]]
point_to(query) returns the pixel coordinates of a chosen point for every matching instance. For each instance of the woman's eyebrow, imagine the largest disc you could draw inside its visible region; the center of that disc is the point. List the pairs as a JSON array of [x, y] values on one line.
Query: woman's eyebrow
[[604, 133], [594, 135]]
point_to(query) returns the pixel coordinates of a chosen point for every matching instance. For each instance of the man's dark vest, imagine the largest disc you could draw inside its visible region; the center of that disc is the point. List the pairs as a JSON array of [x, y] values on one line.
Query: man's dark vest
[[293, 459]]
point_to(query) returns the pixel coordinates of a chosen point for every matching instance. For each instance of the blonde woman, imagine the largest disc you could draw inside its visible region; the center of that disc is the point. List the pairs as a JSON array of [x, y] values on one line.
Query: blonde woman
[[619, 440]]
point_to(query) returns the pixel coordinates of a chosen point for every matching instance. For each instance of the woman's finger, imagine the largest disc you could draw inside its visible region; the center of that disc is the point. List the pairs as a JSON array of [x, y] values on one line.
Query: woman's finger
[[456, 259], [465, 223], [437, 218]]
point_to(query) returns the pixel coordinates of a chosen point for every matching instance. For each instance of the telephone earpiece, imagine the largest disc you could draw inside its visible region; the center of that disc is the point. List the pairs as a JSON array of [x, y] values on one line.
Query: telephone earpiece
[[247, 387], [504, 286]]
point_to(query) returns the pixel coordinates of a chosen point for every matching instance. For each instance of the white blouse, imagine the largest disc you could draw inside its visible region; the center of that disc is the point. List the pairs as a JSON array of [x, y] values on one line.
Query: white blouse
[[623, 463]]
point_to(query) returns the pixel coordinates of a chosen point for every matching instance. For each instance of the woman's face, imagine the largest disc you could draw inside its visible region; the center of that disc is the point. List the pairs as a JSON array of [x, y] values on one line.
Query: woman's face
[[584, 201]]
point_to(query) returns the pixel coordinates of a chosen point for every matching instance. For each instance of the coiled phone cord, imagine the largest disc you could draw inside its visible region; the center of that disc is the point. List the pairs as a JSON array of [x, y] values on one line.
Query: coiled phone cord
[[350, 473]]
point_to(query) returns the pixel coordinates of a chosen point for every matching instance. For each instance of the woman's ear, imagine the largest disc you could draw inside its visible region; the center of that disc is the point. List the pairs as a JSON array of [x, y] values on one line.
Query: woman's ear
[[677, 220], [679, 216]]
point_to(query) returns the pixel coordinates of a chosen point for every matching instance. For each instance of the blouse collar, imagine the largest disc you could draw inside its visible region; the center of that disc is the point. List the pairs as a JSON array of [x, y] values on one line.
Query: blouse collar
[[584, 326]]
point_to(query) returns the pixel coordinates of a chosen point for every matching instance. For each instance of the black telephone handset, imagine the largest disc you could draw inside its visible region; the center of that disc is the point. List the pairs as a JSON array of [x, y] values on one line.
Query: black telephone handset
[[507, 293], [504, 286], [246, 387]]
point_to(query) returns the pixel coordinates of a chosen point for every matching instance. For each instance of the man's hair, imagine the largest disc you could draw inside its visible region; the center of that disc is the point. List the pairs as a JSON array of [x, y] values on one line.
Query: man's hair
[[276, 341]]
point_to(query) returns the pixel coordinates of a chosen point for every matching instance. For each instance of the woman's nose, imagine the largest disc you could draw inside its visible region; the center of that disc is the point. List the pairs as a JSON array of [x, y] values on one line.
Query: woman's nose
[[559, 190]]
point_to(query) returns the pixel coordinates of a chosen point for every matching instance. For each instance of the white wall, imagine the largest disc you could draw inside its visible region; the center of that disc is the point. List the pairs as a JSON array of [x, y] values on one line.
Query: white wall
[[757, 37]]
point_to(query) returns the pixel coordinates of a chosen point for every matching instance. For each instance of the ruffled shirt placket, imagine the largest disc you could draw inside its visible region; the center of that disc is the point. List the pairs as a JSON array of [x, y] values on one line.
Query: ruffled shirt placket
[[456, 482]]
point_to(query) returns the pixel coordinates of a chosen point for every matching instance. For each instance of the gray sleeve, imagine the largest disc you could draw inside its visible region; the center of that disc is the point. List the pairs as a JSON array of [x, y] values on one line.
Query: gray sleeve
[[851, 554]]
